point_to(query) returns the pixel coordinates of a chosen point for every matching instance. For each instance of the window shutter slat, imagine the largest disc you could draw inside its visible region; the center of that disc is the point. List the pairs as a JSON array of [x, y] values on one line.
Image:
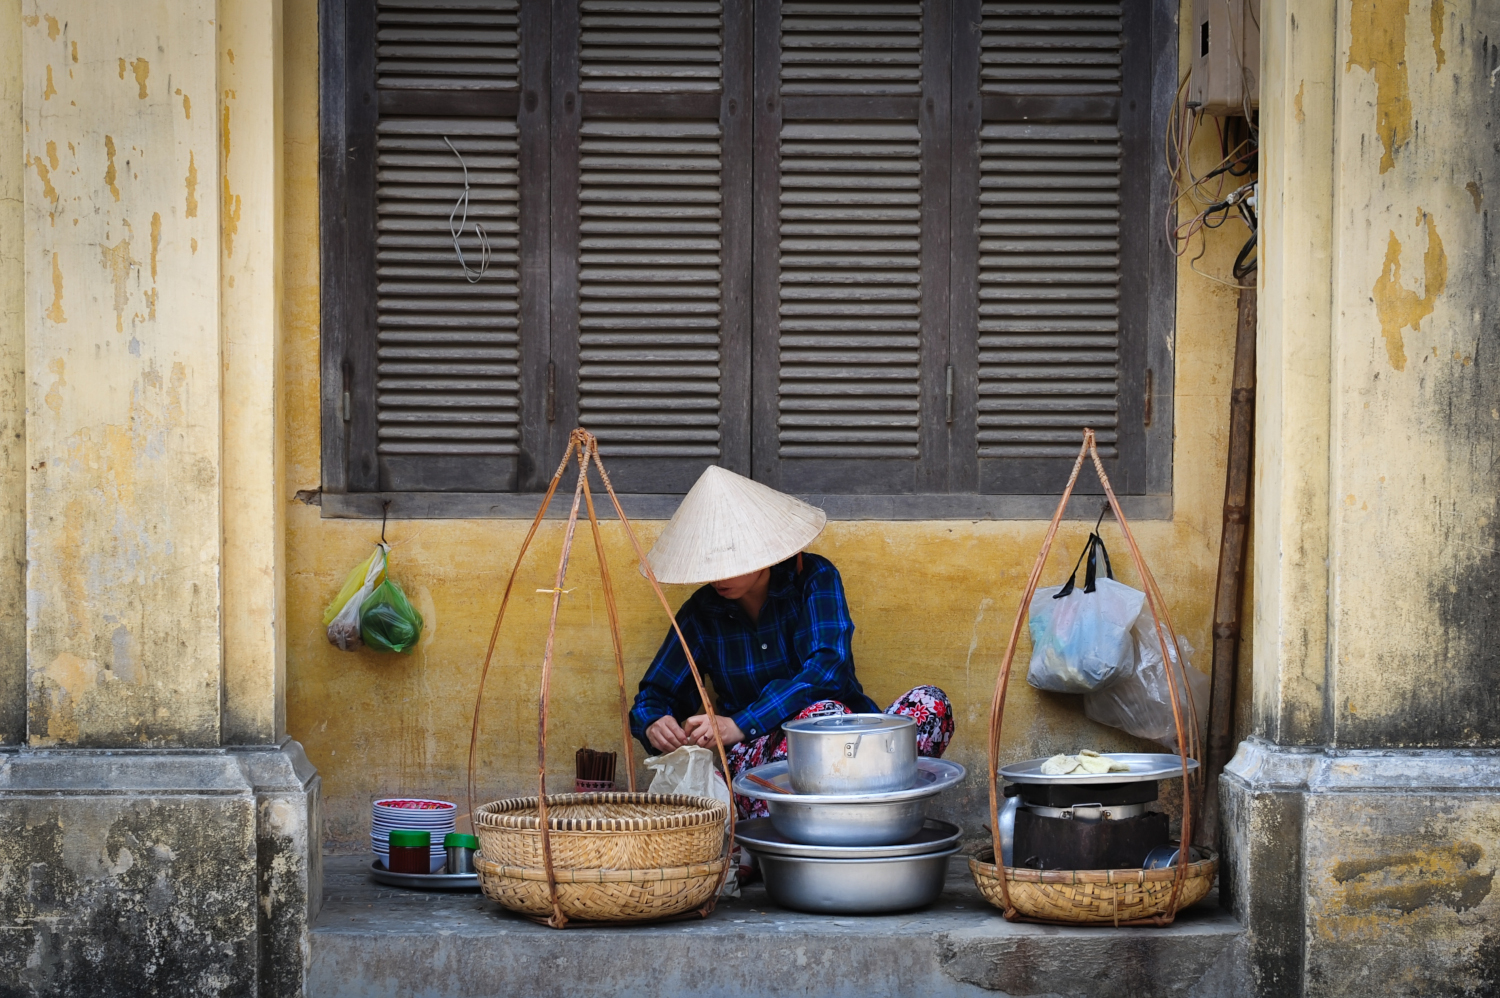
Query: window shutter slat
[[848, 264], [448, 350], [448, 373], [1049, 272], [1049, 232], [652, 239], [850, 249], [448, 45]]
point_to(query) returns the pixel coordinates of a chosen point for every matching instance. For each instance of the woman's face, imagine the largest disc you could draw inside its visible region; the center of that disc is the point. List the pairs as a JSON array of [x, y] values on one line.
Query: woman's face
[[740, 585]]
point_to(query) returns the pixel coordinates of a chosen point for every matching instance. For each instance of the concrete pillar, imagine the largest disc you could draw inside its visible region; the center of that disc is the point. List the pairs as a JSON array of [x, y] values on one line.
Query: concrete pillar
[[169, 829], [1362, 817]]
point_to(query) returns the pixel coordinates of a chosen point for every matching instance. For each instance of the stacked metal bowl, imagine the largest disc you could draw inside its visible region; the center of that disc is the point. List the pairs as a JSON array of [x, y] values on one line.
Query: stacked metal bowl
[[847, 831]]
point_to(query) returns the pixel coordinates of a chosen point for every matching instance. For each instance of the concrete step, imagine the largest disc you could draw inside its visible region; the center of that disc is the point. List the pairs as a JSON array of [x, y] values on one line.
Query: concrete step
[[372, 942]]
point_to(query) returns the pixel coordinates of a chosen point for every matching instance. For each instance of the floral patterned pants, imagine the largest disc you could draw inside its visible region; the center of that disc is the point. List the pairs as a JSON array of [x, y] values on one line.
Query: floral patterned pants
[[927, 705]]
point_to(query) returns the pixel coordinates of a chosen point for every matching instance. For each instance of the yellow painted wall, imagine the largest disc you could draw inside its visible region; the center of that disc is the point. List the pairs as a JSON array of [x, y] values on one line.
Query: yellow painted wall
[[122, 374], [932, 601]]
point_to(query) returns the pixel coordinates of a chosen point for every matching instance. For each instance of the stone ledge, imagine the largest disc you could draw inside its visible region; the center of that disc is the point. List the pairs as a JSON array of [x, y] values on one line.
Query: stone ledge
[[379, 942], [1262, 765]]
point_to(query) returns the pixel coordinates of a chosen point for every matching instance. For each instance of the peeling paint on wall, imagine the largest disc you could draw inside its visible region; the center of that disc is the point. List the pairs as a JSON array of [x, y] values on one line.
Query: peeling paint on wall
[[109, 171], [55, 310], [1400, 307], [1438, 10], [142, 69], [1378, 45], [192, 191]]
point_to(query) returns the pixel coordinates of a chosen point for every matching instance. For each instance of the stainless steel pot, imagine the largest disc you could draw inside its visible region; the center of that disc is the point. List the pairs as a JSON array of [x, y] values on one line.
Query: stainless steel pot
[[852, 753], [855, 886]]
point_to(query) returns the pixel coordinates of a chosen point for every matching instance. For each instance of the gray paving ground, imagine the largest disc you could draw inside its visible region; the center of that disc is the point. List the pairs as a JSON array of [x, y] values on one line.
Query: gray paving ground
[[378, 941]]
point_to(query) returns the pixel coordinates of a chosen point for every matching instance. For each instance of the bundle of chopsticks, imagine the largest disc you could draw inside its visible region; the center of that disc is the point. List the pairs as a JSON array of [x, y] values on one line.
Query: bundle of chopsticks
[[591, 765]]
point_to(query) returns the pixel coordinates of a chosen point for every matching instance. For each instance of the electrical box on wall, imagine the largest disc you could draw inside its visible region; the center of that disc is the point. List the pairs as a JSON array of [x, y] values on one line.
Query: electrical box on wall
[[1226, 56]]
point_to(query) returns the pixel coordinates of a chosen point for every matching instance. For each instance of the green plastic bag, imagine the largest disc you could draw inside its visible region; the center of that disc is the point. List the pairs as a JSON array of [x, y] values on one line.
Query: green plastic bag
[[388, 621]]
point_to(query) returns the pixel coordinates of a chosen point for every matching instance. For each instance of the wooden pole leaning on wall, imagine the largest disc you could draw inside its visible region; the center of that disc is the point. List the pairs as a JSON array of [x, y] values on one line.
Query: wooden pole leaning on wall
[[1228, 592]]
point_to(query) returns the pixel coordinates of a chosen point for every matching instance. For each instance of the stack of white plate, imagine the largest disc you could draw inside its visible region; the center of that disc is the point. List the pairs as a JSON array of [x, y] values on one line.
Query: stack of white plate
[[417, 814]]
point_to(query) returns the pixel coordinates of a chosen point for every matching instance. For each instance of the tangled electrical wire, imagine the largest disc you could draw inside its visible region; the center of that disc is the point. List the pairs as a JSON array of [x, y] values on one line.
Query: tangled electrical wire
[[1209, 201]]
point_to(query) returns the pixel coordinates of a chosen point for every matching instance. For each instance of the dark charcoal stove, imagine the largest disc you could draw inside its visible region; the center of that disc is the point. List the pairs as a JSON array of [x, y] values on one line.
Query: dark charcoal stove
[[1086, 826]]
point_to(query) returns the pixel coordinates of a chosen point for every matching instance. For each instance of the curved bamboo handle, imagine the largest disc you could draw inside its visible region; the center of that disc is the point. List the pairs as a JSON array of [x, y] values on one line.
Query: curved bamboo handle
[[1158, 607]]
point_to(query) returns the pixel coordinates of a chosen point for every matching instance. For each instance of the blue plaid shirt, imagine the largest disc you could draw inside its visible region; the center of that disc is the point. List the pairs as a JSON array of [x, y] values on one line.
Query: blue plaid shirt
[[766, 672]]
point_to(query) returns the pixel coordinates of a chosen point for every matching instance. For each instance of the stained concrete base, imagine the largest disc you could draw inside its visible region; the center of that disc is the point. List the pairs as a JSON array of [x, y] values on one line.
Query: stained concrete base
[[1365, 872], [160, 872], [379, 942]]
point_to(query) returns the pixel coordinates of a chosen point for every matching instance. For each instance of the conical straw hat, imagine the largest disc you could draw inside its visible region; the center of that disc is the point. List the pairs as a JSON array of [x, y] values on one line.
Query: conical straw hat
[[727, 526]]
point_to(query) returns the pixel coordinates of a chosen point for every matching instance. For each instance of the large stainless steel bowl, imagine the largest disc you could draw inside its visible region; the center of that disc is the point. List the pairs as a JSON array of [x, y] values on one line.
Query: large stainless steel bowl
[[855, 886], [850, 819], [760, 836], [851, 753]]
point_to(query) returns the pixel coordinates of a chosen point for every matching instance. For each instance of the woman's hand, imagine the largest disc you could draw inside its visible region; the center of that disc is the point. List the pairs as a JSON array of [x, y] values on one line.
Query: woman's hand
[[666, 734], [700, 732]]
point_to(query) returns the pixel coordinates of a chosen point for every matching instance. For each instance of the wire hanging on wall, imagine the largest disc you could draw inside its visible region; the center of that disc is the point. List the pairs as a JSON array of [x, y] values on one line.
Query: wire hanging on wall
[[1208, 197], [462, 204]]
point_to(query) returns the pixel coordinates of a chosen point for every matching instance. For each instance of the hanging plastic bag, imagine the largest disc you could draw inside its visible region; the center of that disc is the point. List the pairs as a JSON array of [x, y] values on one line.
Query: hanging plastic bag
[[342, 616], [1081, 638], [388, 621], [690, 770], [1141, 703]]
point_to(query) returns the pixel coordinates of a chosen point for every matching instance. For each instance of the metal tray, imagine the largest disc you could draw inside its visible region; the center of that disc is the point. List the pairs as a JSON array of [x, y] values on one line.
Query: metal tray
[[1144, 766], [933, 776], [424, 881], [759, 835]]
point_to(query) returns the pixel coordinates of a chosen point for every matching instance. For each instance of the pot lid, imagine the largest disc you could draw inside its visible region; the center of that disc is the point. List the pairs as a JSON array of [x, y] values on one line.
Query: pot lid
[[850, 724]]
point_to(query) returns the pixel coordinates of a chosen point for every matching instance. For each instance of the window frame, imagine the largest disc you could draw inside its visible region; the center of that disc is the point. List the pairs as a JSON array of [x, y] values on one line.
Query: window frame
[[348, 113]]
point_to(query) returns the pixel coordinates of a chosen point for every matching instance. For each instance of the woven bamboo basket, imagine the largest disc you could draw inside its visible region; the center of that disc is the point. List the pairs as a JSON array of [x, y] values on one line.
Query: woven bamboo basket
[[1096, 897], [597, 857], [1092, 897], [609, 831], [602, 895]]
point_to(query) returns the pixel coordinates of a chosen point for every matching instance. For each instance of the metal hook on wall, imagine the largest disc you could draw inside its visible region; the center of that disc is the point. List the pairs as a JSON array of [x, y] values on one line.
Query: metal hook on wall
[[385, 512]]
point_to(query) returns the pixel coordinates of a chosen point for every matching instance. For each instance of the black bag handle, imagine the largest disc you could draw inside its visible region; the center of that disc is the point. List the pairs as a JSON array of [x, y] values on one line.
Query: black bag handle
[[1091, 550]]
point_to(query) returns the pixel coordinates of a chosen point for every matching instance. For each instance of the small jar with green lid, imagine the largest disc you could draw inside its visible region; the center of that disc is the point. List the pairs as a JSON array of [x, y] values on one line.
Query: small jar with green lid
[[411, 851], [460, 849]]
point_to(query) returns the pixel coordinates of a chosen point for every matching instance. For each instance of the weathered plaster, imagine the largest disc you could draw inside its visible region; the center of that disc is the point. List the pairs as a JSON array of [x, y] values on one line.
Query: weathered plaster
[[1364, 872], [122, 503], [932, 601], [12, 384], [250, 316], [169, 872], [1292, 372], [1414, 465]]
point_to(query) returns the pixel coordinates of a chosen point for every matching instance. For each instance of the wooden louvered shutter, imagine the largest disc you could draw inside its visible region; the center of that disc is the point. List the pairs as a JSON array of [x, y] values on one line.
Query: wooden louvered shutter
[[851, 245], [436, 370], [650, 203], [1067, 244]]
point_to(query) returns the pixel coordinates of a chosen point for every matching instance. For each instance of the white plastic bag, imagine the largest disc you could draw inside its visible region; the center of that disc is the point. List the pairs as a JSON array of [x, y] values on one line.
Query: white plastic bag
[[1141, 703], [1080, 638], [690, 770], [342, 615]]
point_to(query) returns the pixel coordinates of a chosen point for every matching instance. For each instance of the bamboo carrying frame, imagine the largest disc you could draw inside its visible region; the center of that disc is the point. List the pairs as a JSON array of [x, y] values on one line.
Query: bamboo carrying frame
[[1117, 879], [586, 448]]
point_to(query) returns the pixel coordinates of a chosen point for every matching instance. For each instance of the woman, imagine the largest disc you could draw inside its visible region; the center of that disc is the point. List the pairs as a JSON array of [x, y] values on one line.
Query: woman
[[771, 632]]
